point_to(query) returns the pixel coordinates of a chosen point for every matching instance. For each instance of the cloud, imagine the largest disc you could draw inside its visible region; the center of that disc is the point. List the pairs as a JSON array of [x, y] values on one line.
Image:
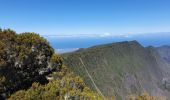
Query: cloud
[[105, 35]]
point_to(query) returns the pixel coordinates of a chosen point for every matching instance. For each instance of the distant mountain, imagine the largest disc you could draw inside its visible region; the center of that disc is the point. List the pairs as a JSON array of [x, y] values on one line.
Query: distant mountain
[[164, 51], [121, 69]]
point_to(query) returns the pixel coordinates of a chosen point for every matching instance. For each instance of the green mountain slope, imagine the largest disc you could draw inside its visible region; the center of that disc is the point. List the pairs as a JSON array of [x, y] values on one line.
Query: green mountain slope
[[120, 69], [164, 52]]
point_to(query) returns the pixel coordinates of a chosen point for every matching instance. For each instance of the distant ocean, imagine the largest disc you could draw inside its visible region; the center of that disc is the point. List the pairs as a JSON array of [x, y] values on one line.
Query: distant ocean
[[69, 44]]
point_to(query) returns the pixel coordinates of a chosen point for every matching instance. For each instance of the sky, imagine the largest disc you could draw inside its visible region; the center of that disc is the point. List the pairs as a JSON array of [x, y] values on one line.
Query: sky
[[74, 17]]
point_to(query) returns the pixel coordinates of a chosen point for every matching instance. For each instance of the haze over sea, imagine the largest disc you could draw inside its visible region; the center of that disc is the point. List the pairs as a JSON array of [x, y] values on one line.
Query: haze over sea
[[67, 43]]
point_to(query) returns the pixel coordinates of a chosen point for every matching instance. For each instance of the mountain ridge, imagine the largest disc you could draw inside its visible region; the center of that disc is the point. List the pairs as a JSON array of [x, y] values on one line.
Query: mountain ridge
[[121, 68]]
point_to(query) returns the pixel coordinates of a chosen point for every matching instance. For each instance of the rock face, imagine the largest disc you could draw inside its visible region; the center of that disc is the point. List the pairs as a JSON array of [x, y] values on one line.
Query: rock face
[[164, 52], [121, 69], [24, 59]]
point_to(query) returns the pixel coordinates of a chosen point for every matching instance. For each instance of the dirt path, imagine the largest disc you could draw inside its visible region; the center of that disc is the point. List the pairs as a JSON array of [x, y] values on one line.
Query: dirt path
[[97, 89]]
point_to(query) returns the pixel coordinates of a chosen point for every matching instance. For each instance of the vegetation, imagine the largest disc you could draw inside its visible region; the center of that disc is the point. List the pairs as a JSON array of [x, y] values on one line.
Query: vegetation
[[24, 59], [27, 61], [144, 96], [64, 86]]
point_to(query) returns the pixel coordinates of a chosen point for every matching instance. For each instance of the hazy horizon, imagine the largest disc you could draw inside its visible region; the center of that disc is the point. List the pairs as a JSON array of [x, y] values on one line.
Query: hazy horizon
[[73, 42]]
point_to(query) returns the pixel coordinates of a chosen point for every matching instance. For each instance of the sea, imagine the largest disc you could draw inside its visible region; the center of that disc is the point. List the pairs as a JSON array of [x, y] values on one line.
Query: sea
[[70, 44]]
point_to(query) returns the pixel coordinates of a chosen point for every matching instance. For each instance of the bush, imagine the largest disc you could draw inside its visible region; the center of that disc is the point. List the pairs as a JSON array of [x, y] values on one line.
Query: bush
[[144, 96], [24, 59], [68, 87]]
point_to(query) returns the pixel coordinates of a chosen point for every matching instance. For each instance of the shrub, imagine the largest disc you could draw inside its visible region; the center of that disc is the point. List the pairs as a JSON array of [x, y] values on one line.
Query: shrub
[[23, 60]]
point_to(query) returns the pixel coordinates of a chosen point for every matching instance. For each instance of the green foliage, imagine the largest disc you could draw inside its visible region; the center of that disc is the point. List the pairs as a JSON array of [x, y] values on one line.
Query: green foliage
[[144, 96], [56, 62], [7, 35], [22, 58], [66, 87], [55, 57], [7, 38]]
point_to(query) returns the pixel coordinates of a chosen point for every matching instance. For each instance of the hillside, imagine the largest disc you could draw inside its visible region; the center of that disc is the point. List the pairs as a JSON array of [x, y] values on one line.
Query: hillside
[[121, 69], [164, 52]]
